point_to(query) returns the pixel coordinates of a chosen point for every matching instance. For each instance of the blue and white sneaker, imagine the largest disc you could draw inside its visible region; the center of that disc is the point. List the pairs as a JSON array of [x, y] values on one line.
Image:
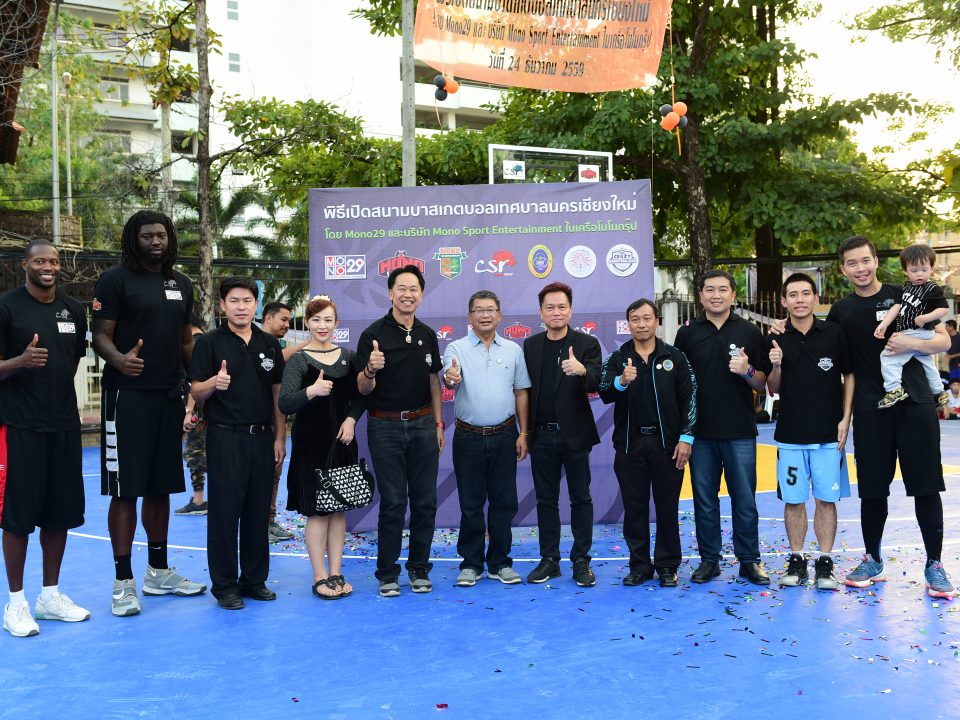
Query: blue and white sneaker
[[938, 585], [869, 571]]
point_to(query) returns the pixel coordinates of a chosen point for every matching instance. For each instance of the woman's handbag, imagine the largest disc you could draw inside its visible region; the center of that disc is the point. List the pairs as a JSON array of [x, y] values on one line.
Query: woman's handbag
[[344, 488]]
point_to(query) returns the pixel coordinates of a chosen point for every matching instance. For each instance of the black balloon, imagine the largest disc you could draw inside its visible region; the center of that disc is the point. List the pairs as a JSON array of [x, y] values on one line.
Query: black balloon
[[664, 109], [683, 121], [440, 94], [439, 81]]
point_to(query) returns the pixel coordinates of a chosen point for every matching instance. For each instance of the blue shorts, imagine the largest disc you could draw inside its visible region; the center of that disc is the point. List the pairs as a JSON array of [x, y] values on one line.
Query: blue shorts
[[800, 466]]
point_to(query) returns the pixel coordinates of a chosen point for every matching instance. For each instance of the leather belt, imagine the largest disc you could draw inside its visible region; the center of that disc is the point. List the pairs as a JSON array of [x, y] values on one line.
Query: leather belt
[[401, 414], [548, 426], [245, 429], [488, 429], [648, 429]]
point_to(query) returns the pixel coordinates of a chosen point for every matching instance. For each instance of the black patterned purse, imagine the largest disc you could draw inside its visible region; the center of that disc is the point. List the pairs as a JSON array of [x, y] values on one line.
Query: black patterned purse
[[343, 487]]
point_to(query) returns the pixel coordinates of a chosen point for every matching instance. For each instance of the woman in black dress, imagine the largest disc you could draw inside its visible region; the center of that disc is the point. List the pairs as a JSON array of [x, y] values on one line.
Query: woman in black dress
[[320, 386]]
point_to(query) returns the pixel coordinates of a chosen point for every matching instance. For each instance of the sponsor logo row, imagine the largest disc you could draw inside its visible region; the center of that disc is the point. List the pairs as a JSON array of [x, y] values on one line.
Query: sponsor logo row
[[580, 261]]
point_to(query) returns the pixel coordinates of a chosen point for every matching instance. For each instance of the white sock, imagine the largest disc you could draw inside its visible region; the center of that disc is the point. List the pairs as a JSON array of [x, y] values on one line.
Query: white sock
[[17, 598], [48, 591]]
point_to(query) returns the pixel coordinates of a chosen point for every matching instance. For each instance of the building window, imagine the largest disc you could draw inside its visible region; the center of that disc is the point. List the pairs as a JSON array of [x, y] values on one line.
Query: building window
[[234, 61], [182, 143], [180, 45], [115, 89], [116, 140], [233, 9]]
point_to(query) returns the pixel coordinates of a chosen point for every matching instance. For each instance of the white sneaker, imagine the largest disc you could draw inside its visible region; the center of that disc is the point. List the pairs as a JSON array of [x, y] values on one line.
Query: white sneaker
[[18, 621], [125, 601], [60, 607]]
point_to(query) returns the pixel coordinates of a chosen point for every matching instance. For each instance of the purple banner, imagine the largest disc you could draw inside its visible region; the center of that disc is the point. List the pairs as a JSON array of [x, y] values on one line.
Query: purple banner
[[511, 239]]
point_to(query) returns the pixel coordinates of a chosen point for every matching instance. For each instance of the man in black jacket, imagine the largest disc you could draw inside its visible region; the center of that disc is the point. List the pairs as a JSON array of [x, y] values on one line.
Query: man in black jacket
[[654, 393], [564, 365]]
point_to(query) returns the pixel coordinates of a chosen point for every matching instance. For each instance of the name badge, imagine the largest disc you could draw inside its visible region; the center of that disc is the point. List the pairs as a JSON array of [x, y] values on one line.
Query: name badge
[[67, 327], [173, 295], [881, 314]]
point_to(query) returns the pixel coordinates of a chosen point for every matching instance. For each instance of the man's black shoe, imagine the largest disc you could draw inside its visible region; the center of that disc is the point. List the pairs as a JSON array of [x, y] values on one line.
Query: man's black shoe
[[707, 571], [668, 577], [544, 571], [582, 574], [754, 572], [638, 577], [230, 601], [258, 592]]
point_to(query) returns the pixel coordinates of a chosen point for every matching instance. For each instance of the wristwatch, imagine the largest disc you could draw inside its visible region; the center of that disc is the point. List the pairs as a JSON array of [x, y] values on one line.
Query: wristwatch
[[751, 371]]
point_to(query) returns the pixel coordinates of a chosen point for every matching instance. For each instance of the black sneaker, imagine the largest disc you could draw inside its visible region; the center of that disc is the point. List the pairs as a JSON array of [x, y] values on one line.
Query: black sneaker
[[544, 571], [823, 573], [419, 579], [582, 574], [192, 508], [796, 572]]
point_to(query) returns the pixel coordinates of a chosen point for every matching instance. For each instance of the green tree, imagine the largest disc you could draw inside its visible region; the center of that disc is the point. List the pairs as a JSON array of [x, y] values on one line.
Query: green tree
[[934, 21]]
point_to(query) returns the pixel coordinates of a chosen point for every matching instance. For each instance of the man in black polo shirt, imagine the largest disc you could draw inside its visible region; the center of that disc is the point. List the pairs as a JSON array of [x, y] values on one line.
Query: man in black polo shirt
[[811, 370], [236, 370], [141, 329], [400, 357], [909, 430], [730, 361], [42, 338]]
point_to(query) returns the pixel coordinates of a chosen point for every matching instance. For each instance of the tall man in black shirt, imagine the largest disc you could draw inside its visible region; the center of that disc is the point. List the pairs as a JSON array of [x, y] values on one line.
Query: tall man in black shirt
[[400, 358], [564, 365], [811, 370], [730, 361], [909, 430], [236, 371], [42, 338], [141, 329]]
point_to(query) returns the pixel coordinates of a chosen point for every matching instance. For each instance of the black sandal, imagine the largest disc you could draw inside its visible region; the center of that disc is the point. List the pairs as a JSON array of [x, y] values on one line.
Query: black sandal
[[341, 583], [330, 584]]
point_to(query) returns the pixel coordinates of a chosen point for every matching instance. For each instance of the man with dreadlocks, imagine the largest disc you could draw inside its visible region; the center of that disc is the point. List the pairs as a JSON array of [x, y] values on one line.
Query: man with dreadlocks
[[141, 329]]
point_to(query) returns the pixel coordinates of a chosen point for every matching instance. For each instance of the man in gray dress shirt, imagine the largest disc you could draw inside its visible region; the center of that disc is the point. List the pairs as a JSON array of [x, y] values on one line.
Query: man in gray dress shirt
[[490, 378]]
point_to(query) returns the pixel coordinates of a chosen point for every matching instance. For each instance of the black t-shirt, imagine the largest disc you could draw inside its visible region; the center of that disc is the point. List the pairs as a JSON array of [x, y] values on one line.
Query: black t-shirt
[[42, 399], [916, 300], [954, 349], [859, 317], [404, 381], [254, 369], [811, 387], [549, 369], [644, 410], [724, 400], [150, 307]]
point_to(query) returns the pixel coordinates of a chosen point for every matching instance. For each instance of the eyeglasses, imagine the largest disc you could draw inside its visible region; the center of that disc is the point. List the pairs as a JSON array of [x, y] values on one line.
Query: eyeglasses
[[484, 311]]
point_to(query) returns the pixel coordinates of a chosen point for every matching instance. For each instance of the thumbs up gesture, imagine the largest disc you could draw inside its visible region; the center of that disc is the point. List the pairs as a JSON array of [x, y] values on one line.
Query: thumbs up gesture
[[629, 373], [740, 363], [572, 366], [33, 356], [776, 355], [131, 364], [377, 359], [223, 377], [452, 375], [320, 388]]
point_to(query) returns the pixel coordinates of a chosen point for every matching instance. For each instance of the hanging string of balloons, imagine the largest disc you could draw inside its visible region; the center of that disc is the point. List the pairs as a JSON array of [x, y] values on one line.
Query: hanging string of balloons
[[445, 86], [674, 113]]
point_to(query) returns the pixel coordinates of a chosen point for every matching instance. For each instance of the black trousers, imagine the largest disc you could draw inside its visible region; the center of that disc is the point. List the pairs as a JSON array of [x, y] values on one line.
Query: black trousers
[[239, 485], [486, 467], [549, 455], [648, 466]]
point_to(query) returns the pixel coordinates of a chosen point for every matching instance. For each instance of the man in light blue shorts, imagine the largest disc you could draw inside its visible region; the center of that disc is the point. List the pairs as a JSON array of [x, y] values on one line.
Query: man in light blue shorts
[[812, 372]]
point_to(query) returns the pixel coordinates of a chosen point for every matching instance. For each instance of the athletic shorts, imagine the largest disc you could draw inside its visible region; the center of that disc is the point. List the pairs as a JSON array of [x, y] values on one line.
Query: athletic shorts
[[819, 465], [908, 430], [140, 443], [41, 480]]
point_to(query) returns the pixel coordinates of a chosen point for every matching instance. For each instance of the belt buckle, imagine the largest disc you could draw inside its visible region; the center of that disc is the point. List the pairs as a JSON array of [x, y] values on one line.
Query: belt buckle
[[488, 430], [254, 429], [404, 414]]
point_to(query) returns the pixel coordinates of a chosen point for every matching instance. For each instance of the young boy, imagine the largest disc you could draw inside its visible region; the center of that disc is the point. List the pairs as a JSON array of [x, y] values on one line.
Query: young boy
[[237, 370], [920, 305], [812, 371]]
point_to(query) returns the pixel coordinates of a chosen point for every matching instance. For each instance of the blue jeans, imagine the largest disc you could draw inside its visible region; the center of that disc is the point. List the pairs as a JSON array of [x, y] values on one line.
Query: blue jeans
[[405, 460], [486, 467], [737, 460]]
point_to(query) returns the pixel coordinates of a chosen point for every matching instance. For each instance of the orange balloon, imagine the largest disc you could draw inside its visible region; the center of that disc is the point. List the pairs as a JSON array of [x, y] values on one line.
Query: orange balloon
[[680, 108], [669, 121], [451, 86]]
